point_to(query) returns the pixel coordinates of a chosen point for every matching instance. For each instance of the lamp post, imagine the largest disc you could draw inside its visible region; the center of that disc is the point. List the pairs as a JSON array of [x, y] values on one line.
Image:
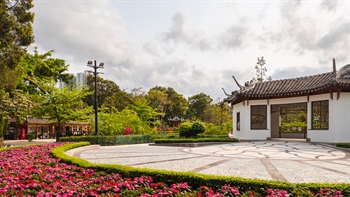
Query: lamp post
[[95, 67]]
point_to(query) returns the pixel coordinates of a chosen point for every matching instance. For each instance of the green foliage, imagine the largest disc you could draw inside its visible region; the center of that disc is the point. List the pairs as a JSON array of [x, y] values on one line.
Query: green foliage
[[41, 69], [144, 111], [211, 136], [343, 145], [167, 101], [181, 140], [185, 129], [211, 129], [198, 104], [119, 101], [293, 127], [115, 123], [110, 96], [17, 105], [110, 140], [63, 105], [30, 137], [59, 153], [196, 180], [16, 31], [197, 128], [219, 114]]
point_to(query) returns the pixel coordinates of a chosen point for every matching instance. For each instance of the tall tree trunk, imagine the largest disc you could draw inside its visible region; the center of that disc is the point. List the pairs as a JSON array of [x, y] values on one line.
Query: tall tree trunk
[[59, 131]]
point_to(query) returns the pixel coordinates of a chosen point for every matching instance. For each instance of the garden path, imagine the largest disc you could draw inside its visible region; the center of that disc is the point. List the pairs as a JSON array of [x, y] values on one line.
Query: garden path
[[271, 160]]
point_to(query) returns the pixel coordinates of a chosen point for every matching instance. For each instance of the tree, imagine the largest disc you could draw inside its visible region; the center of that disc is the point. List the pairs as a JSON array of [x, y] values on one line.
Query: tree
[[15, 31], [176, 105], [17, 105], [218, 113], [4, 115], [105, 89], [261, 70], [119, 101], [38, 69], [144, 111], [115, 123], [185, 130], [198, 104], [196, 129], [158, 100], [63, 105], [15, 34]]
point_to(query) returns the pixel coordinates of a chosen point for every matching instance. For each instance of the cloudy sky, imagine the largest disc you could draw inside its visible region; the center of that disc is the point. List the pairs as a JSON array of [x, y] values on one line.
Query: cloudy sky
[[195, 46]]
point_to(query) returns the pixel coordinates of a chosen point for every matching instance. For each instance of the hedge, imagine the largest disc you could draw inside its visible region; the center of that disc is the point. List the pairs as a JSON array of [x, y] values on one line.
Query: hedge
[[110, 140], [343, 145], [186, 140], [211, 136], [196, 180]]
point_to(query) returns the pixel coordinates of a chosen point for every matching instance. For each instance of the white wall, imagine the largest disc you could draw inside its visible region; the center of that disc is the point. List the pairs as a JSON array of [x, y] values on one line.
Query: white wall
[[341, 122], [322, 135], [339, 118], [245, 132]]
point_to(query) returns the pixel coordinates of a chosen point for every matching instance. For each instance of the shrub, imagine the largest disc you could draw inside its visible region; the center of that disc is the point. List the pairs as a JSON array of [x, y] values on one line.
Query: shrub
[[211, 129], [185, 130], [343, 145], [195, 140], [30, 137], [111, 124], [196, 128], [110, 140]]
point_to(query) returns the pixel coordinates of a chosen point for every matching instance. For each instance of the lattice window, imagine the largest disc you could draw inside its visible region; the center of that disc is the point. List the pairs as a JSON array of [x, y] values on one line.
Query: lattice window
[[320, 114], [258, 117]]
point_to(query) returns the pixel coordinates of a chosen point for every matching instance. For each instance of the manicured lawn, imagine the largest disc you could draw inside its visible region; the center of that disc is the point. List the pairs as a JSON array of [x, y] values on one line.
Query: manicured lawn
[[32, 171]]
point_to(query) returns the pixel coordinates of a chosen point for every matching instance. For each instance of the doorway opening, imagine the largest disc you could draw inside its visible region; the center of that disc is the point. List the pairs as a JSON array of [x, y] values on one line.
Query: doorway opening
[[289, 121]]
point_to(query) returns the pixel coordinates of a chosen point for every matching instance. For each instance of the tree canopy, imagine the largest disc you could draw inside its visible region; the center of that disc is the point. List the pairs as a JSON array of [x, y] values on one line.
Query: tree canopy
[[198, 104], [63, 105], [15, 31]]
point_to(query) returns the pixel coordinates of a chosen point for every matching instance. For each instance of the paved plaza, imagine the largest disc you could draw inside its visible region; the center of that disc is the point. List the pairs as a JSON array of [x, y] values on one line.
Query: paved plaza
[[271, 160]]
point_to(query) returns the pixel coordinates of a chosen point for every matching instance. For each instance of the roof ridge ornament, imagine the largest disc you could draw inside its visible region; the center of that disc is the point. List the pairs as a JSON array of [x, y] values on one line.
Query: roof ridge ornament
[[239, 85], [225, 92], [334, 69]]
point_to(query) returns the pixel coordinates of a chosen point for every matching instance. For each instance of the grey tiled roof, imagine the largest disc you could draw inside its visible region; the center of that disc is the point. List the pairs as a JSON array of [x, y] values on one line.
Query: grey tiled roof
[[294, 85], [315, 84]]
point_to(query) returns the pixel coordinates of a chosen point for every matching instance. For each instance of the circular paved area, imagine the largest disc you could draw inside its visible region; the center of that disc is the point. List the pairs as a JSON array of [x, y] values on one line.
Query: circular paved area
[[271, 160]]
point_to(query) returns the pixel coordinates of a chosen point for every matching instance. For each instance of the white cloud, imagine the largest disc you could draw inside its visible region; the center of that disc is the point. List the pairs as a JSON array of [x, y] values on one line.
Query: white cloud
[[196, 47]]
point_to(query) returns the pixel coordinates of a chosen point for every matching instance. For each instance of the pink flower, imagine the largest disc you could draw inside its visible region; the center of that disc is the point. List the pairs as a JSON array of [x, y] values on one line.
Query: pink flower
[[127, 131]]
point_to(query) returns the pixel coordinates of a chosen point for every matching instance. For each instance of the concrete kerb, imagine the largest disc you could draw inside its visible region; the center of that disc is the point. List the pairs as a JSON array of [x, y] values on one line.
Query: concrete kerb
[[76, 151]]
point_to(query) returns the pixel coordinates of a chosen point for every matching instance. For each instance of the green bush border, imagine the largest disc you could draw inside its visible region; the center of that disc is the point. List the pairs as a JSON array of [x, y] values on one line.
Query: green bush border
[[343, 145], [196, 180], [110, 140], [186, 140]]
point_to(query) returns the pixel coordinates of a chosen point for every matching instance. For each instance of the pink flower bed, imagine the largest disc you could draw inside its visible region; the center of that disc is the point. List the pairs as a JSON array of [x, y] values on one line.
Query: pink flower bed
[[31, 171]]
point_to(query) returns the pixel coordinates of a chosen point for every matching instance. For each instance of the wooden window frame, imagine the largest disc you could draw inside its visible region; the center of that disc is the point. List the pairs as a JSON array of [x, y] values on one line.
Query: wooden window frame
[[264, 127], [238, 121], [322, 112]]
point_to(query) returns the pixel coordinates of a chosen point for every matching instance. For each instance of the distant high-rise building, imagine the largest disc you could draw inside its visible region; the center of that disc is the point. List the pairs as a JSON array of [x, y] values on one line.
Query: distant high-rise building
[[79, 80]]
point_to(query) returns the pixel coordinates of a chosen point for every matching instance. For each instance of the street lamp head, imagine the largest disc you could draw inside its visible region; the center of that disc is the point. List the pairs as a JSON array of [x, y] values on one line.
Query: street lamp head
[[101, 65], [89, 63]]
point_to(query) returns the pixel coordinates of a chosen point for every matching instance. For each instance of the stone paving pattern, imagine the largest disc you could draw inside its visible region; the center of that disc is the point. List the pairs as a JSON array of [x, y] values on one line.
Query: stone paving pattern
[[271, 160]]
